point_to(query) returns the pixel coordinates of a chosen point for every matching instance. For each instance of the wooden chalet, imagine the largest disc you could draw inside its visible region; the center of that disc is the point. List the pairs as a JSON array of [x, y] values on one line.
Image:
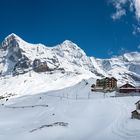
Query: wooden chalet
[[107, 82], [127, 88], [104, 84], [137, 105], [135, 114]]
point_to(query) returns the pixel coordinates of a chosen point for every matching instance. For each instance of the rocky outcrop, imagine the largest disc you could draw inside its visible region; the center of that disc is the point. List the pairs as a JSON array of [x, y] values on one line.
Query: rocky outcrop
[[39, 66]]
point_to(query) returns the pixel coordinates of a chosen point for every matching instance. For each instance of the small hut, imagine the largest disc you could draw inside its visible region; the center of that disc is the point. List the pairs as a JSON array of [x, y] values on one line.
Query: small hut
[[127, 88], [135, 114], [137, 105]]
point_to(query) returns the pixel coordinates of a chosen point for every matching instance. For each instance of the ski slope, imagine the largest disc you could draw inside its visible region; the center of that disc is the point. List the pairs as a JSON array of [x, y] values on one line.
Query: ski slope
[[68, 114], [34, 83]]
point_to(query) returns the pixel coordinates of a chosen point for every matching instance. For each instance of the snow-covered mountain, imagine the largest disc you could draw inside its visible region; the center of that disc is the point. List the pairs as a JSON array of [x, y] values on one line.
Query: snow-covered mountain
[[19, 57], [47, 90], [124, 68]]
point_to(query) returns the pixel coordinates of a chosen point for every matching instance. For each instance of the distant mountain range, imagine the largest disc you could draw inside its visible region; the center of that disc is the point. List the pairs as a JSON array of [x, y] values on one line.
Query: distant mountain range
[[19, 57]]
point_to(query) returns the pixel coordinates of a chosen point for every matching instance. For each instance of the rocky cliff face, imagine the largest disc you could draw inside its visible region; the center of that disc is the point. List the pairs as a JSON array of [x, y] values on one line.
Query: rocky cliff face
[[18, 57]]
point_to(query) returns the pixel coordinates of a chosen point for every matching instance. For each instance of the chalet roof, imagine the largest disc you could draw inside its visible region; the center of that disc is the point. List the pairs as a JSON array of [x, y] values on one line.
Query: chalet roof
[[127, 86], [114, 78], [136, 111], [137, 102], [107, 78]]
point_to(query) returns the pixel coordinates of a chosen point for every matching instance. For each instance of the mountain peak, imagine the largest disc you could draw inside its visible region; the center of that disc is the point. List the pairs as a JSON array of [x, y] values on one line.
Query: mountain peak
[[69, 45], [11, 41], [68, 42], [13, 36]]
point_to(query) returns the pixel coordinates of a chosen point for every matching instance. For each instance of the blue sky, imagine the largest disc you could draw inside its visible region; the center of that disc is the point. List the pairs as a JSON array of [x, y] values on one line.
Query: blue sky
[[102, 28]]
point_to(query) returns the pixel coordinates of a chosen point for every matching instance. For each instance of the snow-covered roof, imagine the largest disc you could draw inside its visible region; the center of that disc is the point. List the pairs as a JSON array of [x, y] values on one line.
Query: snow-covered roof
[[138, 111], [137, 102], [129, 86]]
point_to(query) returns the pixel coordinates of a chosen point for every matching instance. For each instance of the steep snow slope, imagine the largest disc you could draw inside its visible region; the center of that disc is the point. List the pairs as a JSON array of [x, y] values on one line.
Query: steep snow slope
[[33, 83]]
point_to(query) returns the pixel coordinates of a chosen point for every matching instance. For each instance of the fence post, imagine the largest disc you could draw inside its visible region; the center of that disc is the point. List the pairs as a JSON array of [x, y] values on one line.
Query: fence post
[[76, 96], [63, 95], [88, 95], [104, 94]]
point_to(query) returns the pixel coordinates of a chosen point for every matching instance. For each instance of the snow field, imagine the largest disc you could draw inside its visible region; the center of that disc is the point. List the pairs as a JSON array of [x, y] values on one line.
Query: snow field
[[96, 118]]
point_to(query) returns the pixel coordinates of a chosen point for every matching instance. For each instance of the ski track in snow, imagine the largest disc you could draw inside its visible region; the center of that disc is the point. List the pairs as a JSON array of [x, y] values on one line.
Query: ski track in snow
[[119, 126]]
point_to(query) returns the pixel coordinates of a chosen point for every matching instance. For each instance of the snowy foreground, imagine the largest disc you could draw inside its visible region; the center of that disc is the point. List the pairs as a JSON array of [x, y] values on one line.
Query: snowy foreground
[[72, 113]]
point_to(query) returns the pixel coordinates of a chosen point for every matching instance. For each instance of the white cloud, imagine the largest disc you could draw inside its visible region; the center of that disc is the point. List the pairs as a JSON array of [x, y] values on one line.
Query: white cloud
[[137, 8], [120, 6], [119, 13]]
